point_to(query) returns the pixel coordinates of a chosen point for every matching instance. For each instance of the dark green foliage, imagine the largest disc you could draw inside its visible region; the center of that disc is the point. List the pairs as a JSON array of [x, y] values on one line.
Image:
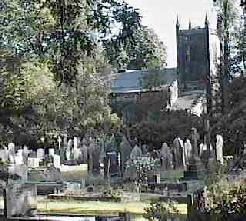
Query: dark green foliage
[[232, 124], [160, 211], [169, 126], [143, 50], [63, 31], [54, 75]]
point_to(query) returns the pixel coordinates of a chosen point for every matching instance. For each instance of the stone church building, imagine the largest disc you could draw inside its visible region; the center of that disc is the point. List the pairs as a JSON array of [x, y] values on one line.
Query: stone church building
[[195, 85]]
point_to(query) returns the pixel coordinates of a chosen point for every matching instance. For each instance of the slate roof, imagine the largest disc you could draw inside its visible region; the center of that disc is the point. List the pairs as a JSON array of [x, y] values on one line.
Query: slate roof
[[130, 80]]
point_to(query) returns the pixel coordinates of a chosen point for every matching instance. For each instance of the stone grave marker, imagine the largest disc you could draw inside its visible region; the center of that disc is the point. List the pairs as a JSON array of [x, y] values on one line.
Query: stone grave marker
[[11, 147], [51, 152], [11, 157], [219, 148], [195, 168], [40, 153], [187, 150], [18, 169], [3, 156], [136, 152], [113, 163], [177, 153], [166, 157], [125, 151], [57, 161], [19, 157], [33, 162], [21, 200]]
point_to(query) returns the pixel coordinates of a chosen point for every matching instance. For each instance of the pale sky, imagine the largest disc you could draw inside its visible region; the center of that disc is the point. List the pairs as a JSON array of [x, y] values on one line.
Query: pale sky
[[161, 15]]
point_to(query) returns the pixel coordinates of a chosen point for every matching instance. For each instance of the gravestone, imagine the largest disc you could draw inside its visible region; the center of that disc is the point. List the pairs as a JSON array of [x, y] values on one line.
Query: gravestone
[[177, 153], [77, 154], [166, 157], [69, 150], [19, 158], [56, 161], [219, 148], [11, 148], [33, 162], [25, 154], [111, 164], [144, 149], [93, 157], [68, 154], [72, 187], [84, 151], [202, 148], [136, 152], [195, 169], [40, 153], [187, 150], [51, 152], [125, 152], [21, 200], [19, 170], [96, 158], [3, 155], [75, 142], [11, 157]]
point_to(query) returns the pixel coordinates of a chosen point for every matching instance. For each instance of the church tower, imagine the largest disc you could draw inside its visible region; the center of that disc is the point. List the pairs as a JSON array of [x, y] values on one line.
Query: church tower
[[192, 60]]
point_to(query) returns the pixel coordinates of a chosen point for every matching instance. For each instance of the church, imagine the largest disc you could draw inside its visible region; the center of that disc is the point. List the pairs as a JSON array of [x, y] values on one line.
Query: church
[[193, 86]]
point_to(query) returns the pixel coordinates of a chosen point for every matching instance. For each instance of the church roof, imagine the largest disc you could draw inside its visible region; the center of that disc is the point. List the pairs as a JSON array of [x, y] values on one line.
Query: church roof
[[130, 80]]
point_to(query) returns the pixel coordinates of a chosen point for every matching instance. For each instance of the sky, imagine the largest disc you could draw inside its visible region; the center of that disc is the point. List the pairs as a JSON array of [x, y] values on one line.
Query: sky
[[161, 16]]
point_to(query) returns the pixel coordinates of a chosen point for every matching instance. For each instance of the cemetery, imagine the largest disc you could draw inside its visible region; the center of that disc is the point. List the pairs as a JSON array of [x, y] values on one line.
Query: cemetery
[[113, 177]]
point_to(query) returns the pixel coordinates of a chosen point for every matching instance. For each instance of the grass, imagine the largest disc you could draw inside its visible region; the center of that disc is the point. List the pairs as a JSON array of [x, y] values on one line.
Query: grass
[[96, 207]]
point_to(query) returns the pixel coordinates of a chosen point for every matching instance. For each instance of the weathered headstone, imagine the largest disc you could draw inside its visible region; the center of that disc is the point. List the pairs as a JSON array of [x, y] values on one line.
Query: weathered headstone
[[195, 169], [69, 150], [3, 156], [40, 153], [136, 152], [112, 163], [18, 169], [125, 151], [68, 154], [56, 161], [19, 157], [11, 148], [33, 162], [75, 142], [188, 150], [25, 154], [96, 158], [11, 157], [219, 148], [177, 153], [182, 151], [84, 151], [51, 152], [194, 137], [21, 200], [166, 157], [144, 149]]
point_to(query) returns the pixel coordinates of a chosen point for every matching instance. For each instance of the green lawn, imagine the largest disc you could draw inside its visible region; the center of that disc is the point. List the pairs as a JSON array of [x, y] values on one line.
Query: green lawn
[[96, 207]]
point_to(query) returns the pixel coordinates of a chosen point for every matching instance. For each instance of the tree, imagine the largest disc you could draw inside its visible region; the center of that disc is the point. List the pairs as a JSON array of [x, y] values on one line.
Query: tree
[[231, 124], [145, 51], [63, 31], [223, 200], [160, 211], [166, 129], [54, 72]]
